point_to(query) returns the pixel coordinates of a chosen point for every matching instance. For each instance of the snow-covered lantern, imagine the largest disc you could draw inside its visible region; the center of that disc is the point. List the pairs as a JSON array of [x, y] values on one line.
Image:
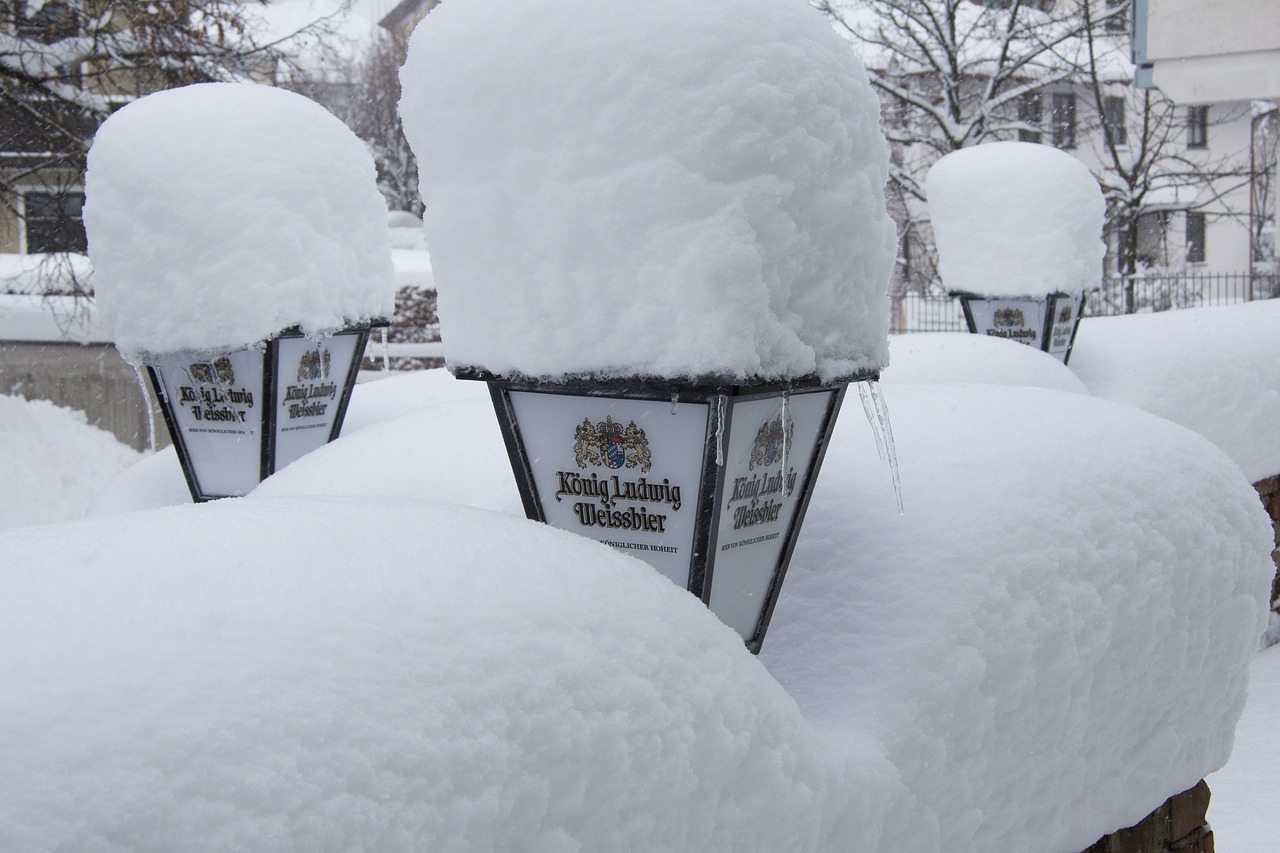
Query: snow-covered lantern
[[664, 245], [1019, 234], [241, 256]]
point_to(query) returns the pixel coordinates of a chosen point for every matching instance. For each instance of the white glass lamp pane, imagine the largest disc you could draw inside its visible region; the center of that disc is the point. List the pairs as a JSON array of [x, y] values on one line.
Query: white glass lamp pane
[[217, 406]]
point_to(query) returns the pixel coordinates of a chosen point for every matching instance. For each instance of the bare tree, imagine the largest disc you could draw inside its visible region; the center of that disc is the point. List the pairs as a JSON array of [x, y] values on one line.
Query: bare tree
[[65, 65], [1264, 145], [364, 92], [1153, 157], [951, 74]]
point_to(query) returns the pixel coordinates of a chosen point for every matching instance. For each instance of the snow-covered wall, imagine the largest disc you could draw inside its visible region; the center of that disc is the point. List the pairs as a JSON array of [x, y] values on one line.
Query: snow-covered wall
[[1056, 634], [1052, 639], [1212, 370]]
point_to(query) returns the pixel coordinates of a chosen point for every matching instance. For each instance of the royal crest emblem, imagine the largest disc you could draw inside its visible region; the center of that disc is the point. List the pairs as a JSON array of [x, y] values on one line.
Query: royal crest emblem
[[771, 444], [313, 366], [209, 373], [1064, 316], [609, 444], [1009, 318]]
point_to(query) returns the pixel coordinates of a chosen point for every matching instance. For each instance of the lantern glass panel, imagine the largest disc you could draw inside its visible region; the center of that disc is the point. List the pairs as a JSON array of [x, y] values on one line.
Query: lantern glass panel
[[1065, 311], [312, 377], [771, 448], [216, 404], [1020, 320], [622, 472]]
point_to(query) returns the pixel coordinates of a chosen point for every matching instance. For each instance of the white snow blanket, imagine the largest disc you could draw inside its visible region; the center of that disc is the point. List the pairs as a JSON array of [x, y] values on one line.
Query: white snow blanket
[[1212, 370], [1055, 636], [52, 462], [933, 357], [1052, 639], [253, 676], [695, 190]]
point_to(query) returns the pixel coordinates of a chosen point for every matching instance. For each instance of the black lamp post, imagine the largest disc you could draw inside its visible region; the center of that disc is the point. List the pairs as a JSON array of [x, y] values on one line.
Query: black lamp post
[[706, 481], [1048, 323], [239, 416]]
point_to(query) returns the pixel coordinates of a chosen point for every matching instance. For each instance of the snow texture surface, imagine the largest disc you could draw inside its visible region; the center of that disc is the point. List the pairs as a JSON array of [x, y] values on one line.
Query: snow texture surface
[[933, 357], [220, 214], [1056, 635], [1212, 370], [1016, 219], [54, 462], [226, 687], [697, 190], [959, 668]]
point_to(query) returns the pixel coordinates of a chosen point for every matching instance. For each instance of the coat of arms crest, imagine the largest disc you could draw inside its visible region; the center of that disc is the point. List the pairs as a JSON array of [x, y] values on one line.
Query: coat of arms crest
[[610, 444], [1010, 317], [213, 372], [313, 366], [772, 441]]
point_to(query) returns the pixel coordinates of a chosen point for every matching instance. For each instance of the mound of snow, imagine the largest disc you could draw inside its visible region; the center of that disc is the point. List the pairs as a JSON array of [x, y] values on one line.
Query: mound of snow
[[1010, 638], [1212, 370], [53, 462], [696, 190], [220, 214], [941, 357], [249, 675], [1056, 635], [1016, 219]]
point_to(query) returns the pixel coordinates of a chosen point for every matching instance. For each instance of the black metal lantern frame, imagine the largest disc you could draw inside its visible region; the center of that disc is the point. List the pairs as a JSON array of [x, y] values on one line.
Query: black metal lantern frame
[[239, 416], [1051, 327], [618, 460]]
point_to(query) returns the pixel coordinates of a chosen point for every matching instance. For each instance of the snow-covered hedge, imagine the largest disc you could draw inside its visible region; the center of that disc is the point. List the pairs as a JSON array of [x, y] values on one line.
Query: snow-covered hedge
[[1051, 640], [1213, 370]]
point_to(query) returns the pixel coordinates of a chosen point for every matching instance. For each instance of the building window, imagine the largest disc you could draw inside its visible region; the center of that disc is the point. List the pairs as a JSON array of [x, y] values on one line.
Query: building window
[[1198, 127], [1117, 16], [1113, 124], [1063, 120], [1153, 231], [1195, 238], [47, 22], [53, 222], [1029, 113]]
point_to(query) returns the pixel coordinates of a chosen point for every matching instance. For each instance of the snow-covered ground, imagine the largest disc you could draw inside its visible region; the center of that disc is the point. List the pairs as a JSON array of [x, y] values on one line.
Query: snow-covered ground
[[975, 674], [1212, 370], [52, 463]]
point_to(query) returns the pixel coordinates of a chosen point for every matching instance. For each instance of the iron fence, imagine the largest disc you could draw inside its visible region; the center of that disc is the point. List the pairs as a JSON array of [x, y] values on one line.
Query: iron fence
[[938, 312]]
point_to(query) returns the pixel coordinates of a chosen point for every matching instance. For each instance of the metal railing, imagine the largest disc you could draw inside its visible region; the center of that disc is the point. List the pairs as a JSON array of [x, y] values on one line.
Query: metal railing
[[1153, 292], [938, 312]]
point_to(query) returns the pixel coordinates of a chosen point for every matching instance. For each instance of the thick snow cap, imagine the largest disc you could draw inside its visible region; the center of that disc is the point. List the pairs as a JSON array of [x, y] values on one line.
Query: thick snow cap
[[192, 679], [674, 190], [221, 213], [1016, 219]]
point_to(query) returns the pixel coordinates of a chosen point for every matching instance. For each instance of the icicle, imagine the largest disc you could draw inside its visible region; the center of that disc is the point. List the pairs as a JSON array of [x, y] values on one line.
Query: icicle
[[721, 408], [886, 430], [386, 351], [675, 402], [786, 443], [146, 402], [868, 408]]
